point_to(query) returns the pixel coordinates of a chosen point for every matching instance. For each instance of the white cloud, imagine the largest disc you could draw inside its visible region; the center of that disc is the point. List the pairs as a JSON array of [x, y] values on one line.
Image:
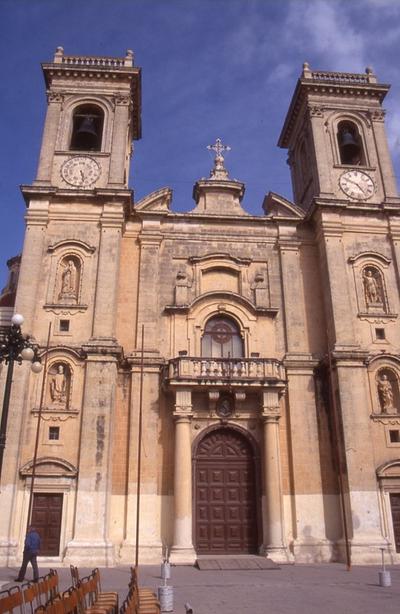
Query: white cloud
[[324, 29]]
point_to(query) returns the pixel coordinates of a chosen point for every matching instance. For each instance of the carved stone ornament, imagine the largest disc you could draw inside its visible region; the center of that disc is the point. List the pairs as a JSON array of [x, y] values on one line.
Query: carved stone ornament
[[378, 115], [316, 111], [122, 100], [54, 97]]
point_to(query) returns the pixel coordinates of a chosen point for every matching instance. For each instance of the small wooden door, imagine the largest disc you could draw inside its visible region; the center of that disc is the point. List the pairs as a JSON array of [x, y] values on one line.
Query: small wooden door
[[395, 505], [46, 518], [225, 489]]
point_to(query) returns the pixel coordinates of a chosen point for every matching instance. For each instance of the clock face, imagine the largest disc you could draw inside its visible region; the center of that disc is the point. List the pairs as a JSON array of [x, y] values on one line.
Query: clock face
[[357, 184], [80, 171]]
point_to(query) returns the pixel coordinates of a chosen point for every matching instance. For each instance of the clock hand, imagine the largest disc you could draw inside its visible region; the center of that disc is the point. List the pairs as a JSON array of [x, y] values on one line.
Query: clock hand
[[82, 175], [356, 184]]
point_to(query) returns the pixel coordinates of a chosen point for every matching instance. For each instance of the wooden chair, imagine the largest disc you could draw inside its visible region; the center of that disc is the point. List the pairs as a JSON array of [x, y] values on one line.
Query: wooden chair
[[86, 595], [74, 575], [11, 601], [30, 597], [104, 597], [53, 590]]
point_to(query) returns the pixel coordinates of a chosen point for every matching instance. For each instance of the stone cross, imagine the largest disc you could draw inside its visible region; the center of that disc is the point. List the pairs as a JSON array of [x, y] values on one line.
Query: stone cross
[[218, 147]]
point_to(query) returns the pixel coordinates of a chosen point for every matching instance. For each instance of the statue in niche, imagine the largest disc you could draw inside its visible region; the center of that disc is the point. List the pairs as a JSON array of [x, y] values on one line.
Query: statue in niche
[[69, 279], [386, 396], [372, 288], [59, 386]]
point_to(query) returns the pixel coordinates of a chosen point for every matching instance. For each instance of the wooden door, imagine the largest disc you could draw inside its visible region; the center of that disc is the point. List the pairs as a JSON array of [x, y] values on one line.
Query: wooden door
[[395, 505], [225, 492], [46, 518]]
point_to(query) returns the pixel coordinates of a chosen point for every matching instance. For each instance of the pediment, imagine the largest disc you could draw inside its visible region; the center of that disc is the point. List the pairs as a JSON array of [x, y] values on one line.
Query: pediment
[[49, 466], [160, 200], [276, 205]]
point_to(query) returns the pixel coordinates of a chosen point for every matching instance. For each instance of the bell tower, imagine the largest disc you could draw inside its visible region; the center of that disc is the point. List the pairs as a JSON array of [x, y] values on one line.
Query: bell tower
[[335, 135], [92, 117]]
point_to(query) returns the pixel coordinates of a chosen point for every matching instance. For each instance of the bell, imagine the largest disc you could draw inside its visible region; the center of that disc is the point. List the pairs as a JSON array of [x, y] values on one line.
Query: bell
[[349, 147], [87, 134]]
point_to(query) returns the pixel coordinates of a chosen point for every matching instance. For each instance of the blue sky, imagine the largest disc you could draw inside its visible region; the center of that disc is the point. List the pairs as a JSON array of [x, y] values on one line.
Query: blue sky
[[210, 68]]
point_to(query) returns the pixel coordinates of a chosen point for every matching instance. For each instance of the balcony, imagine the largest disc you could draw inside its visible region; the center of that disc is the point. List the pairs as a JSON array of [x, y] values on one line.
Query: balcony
[[237, 372]]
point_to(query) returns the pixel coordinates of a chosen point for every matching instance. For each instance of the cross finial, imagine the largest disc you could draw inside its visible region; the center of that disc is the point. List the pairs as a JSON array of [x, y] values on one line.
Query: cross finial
[[219, 171], [219, 147]]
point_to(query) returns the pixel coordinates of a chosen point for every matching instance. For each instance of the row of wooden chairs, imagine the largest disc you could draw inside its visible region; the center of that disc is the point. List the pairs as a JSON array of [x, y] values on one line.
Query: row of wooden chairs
[[92, 595], [26, 599], [139, 600]]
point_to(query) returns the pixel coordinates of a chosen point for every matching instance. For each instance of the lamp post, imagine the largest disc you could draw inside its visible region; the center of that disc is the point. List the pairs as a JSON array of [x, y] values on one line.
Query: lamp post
[[15, 347]]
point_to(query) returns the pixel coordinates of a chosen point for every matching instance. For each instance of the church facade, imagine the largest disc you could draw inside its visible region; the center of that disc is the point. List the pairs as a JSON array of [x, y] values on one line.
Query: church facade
[[255, 358]]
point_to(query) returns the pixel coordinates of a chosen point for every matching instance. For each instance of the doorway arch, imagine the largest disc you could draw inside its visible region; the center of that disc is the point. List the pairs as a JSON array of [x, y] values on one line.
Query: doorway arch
[[225, 493]]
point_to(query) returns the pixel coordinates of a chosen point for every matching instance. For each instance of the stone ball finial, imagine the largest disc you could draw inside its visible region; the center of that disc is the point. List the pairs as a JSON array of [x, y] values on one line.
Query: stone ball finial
[[306, 66], [60, 50], [129, 53], [369, 70]]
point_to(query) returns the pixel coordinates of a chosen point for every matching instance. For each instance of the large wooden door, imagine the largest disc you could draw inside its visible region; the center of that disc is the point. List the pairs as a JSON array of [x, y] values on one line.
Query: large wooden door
[[225, 491], [46, 518], [395, 505]]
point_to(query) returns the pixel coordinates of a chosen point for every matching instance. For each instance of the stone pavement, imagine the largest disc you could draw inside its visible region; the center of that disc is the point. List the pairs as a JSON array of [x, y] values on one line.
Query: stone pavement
[[300, 589]]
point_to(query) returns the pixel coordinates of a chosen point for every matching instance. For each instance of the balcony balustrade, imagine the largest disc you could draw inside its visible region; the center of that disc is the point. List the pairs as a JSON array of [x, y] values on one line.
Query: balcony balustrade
[[230, 371]]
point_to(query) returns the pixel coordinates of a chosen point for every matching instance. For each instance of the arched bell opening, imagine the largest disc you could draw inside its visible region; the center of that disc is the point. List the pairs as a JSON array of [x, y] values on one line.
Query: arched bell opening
[[87, 128], [350, 145]]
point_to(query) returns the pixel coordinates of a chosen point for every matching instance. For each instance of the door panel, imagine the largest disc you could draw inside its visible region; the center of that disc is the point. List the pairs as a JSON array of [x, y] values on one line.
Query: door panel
[[395, 505], [46, 518], [225, 490]]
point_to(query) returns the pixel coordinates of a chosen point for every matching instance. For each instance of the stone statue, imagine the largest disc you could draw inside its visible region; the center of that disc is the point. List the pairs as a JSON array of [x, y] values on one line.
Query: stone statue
[[371, 288], [69, 279], [58, 386], [385, 390]]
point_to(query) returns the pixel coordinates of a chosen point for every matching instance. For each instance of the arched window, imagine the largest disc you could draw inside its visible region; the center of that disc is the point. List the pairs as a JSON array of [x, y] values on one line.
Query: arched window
[[221, 339], [87, 128], [350, 146]]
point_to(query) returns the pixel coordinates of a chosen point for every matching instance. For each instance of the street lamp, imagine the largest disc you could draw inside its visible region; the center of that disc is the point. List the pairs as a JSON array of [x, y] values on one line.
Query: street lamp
[[14, 347]]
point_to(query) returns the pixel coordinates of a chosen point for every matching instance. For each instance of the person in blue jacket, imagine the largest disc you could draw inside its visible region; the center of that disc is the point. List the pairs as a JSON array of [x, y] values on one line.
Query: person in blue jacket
[[31, 550]]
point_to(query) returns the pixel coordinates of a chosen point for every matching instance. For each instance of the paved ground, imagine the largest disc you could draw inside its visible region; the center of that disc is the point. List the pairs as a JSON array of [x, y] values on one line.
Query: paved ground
[[305, 589]]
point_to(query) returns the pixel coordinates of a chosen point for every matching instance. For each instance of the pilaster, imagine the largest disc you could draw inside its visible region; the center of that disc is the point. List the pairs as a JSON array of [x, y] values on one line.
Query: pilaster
[[309, 501], [335, 283], [105, 308], [49, 141], [90, 540], [295, 319], [148, 303], [118, 167], [363, 498]]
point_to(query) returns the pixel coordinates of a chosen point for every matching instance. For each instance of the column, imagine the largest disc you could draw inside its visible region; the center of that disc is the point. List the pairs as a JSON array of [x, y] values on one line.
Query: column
[[182, 548], [274, 533]]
